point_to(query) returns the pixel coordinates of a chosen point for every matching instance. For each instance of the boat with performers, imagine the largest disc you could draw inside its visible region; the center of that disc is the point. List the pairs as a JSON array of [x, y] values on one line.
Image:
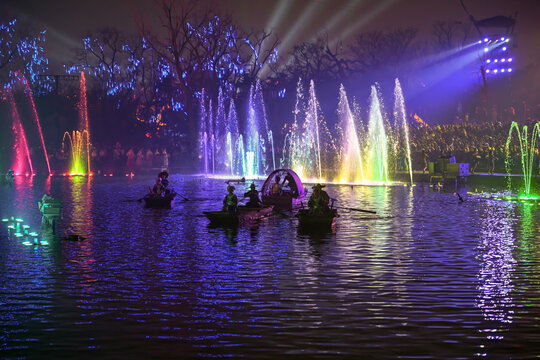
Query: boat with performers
[[317, 221], [156, 201], [283, 189], [243, 215]]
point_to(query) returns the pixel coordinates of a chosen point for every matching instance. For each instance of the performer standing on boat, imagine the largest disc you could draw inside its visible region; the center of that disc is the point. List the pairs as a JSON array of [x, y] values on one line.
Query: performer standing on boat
[[319, 200], [158, 188], [230, 203], [253, 194]]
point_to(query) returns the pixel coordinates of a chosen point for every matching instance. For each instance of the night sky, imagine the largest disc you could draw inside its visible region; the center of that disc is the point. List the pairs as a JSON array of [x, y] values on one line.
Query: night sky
[[292, 20]]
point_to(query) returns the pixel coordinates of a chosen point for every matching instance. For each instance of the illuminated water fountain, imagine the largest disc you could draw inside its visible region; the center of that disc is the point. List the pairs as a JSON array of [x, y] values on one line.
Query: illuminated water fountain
[[527, 149], [79, 145], [359, 153], [223, 150], [22, 162], [303, 151], [79, 140]]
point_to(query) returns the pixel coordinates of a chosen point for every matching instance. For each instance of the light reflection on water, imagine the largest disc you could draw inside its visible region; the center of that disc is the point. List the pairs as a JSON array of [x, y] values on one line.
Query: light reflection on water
[[427, 277]]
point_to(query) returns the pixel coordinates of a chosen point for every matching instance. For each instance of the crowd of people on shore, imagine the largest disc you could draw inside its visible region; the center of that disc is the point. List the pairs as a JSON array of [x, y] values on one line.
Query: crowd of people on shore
[[483, 146]]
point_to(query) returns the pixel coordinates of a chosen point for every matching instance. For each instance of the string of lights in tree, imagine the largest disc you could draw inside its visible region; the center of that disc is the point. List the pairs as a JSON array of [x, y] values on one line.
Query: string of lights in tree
[[23, 52]]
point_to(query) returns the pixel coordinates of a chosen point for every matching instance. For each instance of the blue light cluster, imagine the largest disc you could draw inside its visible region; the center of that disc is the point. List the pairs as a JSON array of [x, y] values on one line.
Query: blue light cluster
[[23, 52], [497, 60]]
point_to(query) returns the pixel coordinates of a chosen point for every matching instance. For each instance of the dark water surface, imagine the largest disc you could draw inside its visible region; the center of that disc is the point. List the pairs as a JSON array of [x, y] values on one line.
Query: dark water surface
[[426, 278]]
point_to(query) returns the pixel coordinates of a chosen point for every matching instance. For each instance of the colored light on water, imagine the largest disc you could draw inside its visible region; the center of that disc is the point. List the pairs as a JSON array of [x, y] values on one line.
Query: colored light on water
[[11, 227], [18, 235], [44, 242], [27, 243], [34, 234], [5, 220], [19, 220]]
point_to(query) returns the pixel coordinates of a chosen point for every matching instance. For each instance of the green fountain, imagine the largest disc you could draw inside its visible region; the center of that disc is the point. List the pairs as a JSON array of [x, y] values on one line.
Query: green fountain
[[527, 148]]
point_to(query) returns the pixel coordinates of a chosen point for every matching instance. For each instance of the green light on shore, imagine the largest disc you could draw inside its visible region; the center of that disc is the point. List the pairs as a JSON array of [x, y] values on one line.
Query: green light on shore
[[5, 220], [19, 220], [529, 197], [27, 243]]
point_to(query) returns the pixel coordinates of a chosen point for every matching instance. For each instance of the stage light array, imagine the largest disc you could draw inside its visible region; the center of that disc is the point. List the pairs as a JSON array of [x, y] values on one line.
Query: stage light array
[[496, 55]]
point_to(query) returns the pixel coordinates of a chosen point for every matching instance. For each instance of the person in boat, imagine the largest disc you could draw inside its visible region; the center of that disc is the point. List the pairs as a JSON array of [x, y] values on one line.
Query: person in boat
[[319, 200], [10, 176], [230, 202], [276, 187], [158, 188], [253, 194], [289, 185], [164, 176]]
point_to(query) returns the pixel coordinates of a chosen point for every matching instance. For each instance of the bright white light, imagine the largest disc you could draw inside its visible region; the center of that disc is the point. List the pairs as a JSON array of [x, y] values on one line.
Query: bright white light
[[510, 60], [507, 40], [488, 61], [486, 39], [479, 41], [495, 71], [504, 48], [502, 39], [496, 60], [485, 49], [487, 71], [503, 60], [510, 70], [503, 70]]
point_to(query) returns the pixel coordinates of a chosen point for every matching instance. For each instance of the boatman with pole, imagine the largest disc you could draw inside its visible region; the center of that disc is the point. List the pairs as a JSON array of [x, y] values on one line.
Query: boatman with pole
[[319, 200]]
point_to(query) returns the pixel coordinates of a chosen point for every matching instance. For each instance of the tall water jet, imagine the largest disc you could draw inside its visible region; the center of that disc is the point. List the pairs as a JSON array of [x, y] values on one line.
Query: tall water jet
[[35, 116], [303, 141], [293, 146], [22, 163], [259, 111], [80, 138], [222, 152], [377, 142], [527, 150], [253, 141], [350, 157], [312, 121], [203, 133], [211, 136], [233, 130], [401, 117]]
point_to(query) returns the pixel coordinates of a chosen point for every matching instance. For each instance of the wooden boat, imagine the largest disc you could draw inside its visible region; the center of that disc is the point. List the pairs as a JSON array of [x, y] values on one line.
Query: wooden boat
[[326, 220], [292, 193], [159, 202], [244, 215]]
